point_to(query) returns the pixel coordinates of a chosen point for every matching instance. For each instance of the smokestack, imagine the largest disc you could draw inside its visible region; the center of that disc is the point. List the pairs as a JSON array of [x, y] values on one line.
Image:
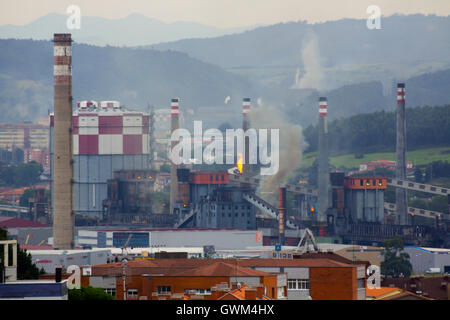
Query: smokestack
[[175, 124], [323, 174], [400, 171], [63, 216], [281, 215], [58, 273], [246, 102]]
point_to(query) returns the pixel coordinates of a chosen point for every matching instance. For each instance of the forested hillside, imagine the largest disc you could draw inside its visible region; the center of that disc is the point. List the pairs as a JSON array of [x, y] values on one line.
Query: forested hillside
[[375, 132], [134, 77]]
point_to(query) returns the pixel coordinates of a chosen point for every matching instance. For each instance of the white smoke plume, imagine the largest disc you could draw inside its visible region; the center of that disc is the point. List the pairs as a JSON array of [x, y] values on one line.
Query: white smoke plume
[[313, 73]]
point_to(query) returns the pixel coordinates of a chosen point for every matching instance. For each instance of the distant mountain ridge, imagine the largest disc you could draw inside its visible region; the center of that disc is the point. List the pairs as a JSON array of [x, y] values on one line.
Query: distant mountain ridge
[[134, 77], [133, 30], [405, 38], [329, 55]]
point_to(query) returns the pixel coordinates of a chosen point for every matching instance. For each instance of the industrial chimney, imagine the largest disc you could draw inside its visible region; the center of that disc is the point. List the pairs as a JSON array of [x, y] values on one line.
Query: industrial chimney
[[63, 217], [245, 126], [323, 169], [175, 124], [281, 215], [400, 171]]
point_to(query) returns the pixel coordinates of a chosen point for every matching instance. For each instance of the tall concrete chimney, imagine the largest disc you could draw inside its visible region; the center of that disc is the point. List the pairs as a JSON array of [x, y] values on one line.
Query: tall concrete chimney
[[323, 169], [400, 171], [175, 124], [246, 102], [63, 216], [281, 215]]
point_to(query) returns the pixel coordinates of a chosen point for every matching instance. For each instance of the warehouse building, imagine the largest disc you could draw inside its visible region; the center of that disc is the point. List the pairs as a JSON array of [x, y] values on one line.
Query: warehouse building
[[142, 238], [49, 259], [106, 138], [424, 259]]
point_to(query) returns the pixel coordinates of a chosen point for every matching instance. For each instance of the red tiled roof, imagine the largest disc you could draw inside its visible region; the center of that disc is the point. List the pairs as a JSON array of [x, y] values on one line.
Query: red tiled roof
[[239, 294], [222, 269], [17, 191], [406, 294], [186, 266], [35, 247], [291, 263], [11, 222], [381, 291]]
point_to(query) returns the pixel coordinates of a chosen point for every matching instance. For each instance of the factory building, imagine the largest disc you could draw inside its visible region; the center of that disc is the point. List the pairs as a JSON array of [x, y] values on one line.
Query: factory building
[[213, 201], [129, 196], [425, 259], [353, 200], [49, 259], [143, 238], [388, 164], [106, 138], [364, 198]]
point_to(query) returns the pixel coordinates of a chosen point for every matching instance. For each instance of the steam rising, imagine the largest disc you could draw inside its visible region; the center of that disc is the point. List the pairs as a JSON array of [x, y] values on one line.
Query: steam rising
[[292, 145], [313, 76]]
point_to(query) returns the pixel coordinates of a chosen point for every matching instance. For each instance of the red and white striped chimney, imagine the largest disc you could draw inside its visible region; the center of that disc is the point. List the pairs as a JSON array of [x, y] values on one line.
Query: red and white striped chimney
[[175, 124], [246, 103], [63, 217]]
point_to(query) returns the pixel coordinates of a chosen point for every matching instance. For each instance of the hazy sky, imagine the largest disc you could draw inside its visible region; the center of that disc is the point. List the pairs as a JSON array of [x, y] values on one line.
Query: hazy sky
[[220, 13]]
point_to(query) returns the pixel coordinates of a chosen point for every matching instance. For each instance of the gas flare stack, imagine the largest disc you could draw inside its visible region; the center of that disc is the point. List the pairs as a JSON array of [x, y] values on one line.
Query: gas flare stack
[[246, 102]]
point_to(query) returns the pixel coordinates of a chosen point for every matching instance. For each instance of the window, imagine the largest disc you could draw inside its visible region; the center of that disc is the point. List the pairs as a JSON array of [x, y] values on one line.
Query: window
[[360, 283], [111, 291], [198, 291], [298, 284], [164, 289], [132, 293]]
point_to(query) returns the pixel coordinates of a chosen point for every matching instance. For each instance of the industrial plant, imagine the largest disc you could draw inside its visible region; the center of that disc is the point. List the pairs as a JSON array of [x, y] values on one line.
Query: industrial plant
[[129, 216], [103, 169]]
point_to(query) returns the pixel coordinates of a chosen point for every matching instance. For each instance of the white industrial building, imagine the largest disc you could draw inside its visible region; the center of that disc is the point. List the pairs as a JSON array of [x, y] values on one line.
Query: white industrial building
[[423, 259], [49, 259]]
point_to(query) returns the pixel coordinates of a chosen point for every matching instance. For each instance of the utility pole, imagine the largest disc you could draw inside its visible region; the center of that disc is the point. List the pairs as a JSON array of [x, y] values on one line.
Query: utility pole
[[124, 275]]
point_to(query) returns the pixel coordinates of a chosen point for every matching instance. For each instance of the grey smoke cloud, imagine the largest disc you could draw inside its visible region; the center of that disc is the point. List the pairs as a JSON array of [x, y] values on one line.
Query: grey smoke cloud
[[292, 144]]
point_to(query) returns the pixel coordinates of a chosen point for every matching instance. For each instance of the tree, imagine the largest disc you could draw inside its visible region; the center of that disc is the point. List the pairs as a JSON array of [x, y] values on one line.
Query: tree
[[418, 176], [165, 168], [89, 293], [395, 262], [27, 194]]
